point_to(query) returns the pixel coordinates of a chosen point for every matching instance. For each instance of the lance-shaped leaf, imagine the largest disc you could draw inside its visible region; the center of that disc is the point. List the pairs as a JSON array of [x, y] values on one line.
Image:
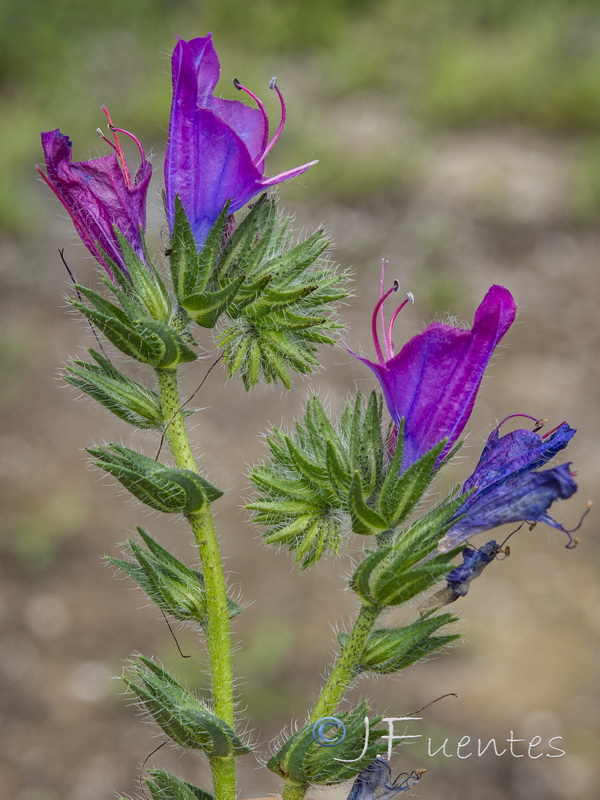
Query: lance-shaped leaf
[[163, 488], [146, 284], [398, 572], [277, 298], [142, 338], [393, 649], [310, 757], [192, 270], [164, 786], [206, 307], [175, 588], [122, 396], [181, 715]]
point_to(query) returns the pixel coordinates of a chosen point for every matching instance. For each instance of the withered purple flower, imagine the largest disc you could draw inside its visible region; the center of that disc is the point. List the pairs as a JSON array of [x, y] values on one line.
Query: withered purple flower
[[375, 782], [217, 148], [507, 485], [433, 381], [99, 195]]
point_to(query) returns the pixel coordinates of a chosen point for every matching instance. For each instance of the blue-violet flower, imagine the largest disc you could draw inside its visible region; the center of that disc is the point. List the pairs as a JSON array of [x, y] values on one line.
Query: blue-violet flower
[[507, 485], [217, 148], [99, 195], [433, 381], [374, 782]]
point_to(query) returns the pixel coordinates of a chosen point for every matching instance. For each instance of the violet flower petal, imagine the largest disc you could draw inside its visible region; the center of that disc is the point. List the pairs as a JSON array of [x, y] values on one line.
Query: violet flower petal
[[98, 198], [433, 381], [521, 497], [216, 147]]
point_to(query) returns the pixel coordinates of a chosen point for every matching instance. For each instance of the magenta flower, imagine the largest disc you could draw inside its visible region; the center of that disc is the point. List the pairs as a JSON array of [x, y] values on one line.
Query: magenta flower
[[99, 195], [217, 148], [432, 382]]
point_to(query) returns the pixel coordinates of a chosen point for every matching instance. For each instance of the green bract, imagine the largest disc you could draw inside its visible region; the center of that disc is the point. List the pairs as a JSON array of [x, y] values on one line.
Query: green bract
[[303, 760], [181, 715], [393, 649], [164, 786], [175, 588], [124, 397], [330, 477], [163, 488], [274, 297]]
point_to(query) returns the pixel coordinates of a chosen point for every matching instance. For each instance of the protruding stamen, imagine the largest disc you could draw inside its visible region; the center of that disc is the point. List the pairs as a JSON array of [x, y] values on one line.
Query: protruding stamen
[[118, 148], [380, 303], [539, 425], [573, 540], [280, 127], [134, 138], [538, 422], [546, 435], [107, 140], [241, 88], [410, 298]]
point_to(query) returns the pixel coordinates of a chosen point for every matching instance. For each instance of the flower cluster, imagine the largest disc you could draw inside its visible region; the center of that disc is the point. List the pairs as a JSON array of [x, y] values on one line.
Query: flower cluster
[[215, 156], [430, 388]]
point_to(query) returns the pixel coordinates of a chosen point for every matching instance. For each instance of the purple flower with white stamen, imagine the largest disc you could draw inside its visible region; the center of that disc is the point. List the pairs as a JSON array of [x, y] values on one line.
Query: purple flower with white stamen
[[100, 195], [507, 485], [433, 381], [217, 148]]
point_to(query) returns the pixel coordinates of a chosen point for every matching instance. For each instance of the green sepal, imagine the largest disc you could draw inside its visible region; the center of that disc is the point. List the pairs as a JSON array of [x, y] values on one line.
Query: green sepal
[[163, 488], [281, 311], [192, 270], [364, 519], [180, 714], [144, 339], [147, 284], [122, 396], [175, 588], [248, 244], [206, 307], [400, 495], [392, 649], [360, 581], [302, 760], [164, 786]]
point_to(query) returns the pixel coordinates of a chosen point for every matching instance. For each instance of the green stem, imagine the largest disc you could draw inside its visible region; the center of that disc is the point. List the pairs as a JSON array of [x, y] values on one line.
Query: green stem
[[342, 675], [217, 629]]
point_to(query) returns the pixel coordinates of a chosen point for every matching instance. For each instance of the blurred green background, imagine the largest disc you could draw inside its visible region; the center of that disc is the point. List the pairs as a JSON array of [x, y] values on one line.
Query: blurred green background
[[459, 140]]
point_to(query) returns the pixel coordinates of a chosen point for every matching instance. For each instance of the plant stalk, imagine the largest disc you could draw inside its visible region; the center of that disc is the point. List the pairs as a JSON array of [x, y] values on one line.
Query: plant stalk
[[342, 675], [217, 628]]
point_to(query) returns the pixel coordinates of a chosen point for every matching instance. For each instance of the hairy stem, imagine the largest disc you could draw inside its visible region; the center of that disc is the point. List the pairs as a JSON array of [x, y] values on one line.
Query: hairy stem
[[342, 675], [217, 629]]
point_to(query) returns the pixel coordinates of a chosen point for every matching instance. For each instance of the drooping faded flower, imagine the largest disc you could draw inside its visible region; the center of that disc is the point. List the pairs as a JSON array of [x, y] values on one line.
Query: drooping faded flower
[[217, 148], [433, 381], [375, 782], [508, 486], [99, 195]]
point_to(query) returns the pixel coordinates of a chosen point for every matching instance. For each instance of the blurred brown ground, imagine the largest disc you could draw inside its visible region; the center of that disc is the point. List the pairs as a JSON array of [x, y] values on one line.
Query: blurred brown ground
[[487, 207]]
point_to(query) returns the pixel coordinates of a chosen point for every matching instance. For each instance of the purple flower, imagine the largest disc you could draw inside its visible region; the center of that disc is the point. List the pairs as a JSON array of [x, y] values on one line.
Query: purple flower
[[432, 382], [375, 783], [217, 148], [99, 195], [507, 486]]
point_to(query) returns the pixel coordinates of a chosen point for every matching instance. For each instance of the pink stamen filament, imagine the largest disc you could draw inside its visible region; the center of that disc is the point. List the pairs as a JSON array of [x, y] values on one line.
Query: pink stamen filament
[[380, 303], [277, 134], [526, 416], [118, 148], [389, 344], [241, 88], [545, 436], [102, 136], [134, 138]]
